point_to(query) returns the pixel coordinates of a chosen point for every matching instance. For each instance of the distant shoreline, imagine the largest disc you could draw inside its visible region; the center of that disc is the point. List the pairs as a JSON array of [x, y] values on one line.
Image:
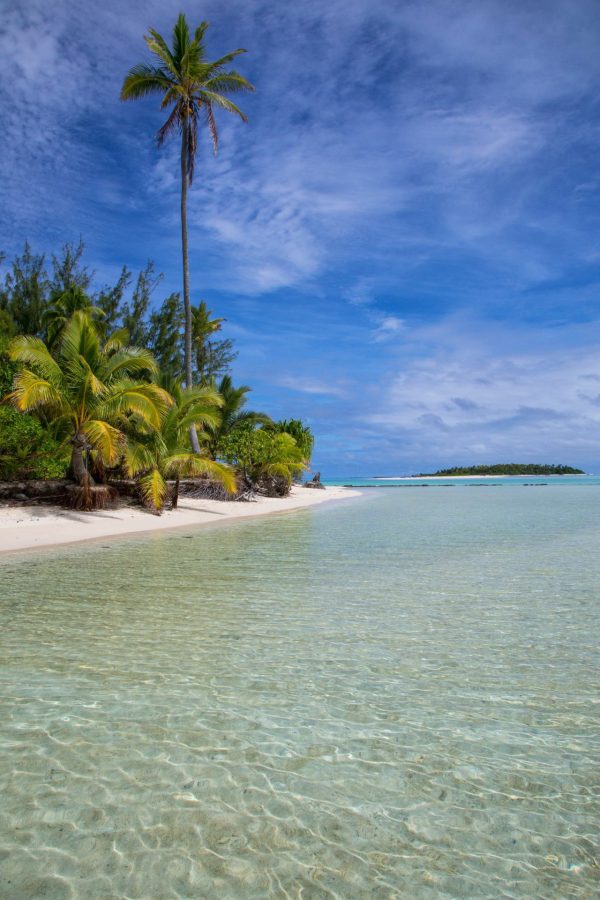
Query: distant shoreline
[[457, 477]]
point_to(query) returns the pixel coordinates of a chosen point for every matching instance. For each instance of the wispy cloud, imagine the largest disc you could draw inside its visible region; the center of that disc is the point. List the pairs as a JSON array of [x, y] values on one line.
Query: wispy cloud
[[312, 386], [471, 398], [413, 177]]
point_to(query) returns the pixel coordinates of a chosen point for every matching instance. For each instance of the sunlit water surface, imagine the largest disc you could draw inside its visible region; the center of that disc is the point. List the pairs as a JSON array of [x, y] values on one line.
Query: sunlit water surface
[[386, 697]]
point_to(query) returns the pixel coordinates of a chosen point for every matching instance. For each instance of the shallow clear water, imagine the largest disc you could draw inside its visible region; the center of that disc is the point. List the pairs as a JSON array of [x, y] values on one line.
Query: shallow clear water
[[387, 697]]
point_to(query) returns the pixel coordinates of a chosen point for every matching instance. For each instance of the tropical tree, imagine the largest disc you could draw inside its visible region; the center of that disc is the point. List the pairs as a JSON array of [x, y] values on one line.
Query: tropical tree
[[191, 88], [233, 414], [301, 433], [61, 310], [161, 453], [210, 357], [23, 296], [265, 460], [87, 390]]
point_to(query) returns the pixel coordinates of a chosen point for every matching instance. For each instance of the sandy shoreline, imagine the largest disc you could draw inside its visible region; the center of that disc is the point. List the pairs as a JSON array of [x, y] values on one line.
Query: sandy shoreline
[[28, 528]]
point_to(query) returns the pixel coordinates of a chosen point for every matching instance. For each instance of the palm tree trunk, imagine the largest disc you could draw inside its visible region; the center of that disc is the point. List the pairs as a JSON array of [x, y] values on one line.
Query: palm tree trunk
[[78, 466], [186, 272], [175, 498]]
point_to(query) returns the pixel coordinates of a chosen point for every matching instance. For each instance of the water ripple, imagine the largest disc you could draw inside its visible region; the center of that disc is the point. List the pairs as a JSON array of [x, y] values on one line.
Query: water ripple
[[397, 697]]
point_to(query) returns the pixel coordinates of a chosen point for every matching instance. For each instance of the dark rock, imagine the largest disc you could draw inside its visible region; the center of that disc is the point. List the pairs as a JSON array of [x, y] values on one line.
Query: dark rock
[[315, 483]]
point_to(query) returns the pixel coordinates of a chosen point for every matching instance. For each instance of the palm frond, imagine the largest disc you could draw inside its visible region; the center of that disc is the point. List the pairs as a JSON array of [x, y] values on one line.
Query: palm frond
[[104, 438], [200, 394], [228, 83], [92, 383], [117, 340], [225, 60], [153, 489], [181, 40], [170, 125], [30, 391], [191, 464], [80, 339], [157, 45], [173, 95], [142, 80], [33, 352], [284, 470], [200, 418], [130, 361], [148, 401], [212, 126], [200, 32], [138, 457], [212, 97]]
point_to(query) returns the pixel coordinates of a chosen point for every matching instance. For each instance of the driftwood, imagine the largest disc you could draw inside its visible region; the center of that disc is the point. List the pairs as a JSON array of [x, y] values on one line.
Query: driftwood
[[49, 490], [315, 483], [206, 488], [61, 491]]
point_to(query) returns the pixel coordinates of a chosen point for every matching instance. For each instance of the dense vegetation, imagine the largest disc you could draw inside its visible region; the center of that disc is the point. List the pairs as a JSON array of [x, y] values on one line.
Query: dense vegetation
[[92, 382], [105, 384], [506, 469]]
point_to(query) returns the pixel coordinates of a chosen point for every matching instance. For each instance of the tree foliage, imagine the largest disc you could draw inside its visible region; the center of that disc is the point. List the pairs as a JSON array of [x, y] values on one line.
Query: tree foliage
[[86, 390], [158, 453], [507, 469], [233, 414], [68, 400], [261, 455], [27, 449], [301, 433]]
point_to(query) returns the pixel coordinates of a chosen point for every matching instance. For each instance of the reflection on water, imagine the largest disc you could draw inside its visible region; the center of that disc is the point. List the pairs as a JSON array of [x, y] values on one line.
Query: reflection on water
[[388, 697]]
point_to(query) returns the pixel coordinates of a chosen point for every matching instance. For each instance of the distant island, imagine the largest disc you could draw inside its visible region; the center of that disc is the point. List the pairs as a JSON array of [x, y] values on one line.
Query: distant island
[[504, 469]]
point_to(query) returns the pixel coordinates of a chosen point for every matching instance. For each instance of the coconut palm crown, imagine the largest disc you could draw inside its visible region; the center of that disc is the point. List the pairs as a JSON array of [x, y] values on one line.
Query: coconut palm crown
[[87, 389], [158, 454], [191, 88], [233, 414]]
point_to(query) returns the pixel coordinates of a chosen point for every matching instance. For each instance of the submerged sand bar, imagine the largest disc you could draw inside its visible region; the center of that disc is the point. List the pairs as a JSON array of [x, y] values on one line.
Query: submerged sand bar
[[32, 527]]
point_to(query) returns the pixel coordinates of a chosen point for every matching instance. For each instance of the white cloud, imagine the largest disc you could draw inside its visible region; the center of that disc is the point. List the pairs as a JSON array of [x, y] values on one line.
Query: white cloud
[[469, 398], [312, 386], [388, 327]]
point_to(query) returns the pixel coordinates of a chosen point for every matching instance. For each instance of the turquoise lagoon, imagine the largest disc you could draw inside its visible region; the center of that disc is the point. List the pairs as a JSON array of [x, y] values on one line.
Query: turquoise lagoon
[[384, 697]]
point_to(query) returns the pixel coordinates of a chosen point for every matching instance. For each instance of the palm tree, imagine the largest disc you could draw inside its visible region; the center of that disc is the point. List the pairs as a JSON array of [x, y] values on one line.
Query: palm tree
[[61, 309], [301, 433], [160, 453], [191, 87], [233, 414], [86, 390]]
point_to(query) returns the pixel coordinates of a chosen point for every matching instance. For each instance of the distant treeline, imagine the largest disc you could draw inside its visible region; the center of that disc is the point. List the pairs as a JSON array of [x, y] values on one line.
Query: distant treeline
[[505, 469]]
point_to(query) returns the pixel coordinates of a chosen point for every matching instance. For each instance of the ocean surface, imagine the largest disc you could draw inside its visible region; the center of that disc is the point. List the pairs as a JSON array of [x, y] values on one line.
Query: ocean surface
[[387, 697]]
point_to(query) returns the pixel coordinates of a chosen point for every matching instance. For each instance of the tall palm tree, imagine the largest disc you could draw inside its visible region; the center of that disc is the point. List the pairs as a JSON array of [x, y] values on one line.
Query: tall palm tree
[[87, 390], [191, 87], [160, 453]]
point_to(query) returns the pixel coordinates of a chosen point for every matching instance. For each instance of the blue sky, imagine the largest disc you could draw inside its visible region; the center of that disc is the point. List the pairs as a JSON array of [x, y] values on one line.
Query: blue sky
[[405, 238]]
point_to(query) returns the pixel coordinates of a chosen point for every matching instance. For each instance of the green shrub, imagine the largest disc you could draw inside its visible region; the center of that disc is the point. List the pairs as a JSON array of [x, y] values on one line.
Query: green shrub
[[261, 455], [7, 368], [27, 450]]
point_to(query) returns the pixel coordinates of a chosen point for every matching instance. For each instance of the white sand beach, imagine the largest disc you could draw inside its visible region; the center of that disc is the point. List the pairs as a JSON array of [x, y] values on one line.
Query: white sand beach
[[36, 526]]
